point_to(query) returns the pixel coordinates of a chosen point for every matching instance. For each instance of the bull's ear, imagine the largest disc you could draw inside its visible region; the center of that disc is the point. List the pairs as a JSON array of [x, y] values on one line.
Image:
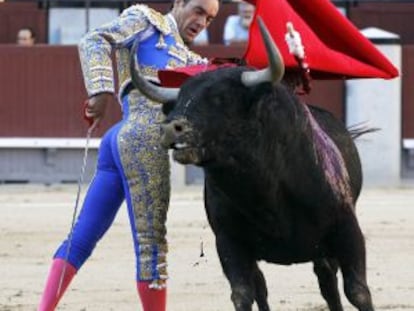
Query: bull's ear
[[168, 107]]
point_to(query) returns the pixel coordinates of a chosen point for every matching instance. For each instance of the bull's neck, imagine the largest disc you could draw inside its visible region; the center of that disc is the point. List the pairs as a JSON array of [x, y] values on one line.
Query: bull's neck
[[243, 176]]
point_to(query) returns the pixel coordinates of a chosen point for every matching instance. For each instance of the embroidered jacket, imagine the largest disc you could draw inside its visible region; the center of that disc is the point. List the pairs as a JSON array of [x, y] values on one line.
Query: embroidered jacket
[[160, 47]]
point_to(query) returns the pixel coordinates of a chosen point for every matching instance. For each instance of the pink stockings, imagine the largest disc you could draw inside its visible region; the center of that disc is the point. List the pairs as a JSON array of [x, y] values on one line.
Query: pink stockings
[[151, 299], [51, 296]]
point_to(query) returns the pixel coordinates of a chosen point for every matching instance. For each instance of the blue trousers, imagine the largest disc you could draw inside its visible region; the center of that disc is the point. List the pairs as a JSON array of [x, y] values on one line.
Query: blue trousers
[[132, 166]]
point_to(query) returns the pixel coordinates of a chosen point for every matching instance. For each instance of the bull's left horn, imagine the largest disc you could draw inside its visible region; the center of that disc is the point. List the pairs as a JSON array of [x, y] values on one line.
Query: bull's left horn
[[274, 73], [153, 92]]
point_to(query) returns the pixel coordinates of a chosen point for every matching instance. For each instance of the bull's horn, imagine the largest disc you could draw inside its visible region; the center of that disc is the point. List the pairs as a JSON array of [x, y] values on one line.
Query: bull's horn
[[274, 73], [153, 92]]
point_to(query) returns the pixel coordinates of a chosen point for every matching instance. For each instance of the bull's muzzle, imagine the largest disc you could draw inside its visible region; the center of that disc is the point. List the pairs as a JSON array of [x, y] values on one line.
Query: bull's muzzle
[[171, 132], [180, 135]]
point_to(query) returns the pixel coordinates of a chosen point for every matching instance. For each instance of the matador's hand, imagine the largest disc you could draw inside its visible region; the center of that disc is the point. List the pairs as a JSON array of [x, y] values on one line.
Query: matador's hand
[[96, 106]]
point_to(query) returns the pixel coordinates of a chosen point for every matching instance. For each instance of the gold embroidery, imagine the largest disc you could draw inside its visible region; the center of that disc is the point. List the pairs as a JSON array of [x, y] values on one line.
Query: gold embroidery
[[173, 63], [146, 166], [157, 19], [179, 41], [178, 53], [149, 71]]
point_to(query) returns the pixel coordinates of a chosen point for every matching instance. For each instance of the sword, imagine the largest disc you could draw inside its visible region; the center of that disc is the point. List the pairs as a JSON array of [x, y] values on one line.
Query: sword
[[92, 125]]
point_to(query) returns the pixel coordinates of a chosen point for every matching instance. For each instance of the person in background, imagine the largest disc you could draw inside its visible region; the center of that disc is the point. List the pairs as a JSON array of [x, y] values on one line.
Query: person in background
[[26, 37], [202, 38], [132, 165], [236, 28]]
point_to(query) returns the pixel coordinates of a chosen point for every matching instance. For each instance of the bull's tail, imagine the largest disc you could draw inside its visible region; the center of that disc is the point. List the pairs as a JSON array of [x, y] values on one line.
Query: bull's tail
[[359, 129]]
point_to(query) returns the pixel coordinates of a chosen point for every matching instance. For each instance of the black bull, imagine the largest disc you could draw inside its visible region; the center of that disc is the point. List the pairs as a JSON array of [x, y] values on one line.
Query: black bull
[[281, 178]]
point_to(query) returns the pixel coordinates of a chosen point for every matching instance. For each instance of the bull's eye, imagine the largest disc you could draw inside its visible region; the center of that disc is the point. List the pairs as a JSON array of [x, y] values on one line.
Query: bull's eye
[[178, 128]]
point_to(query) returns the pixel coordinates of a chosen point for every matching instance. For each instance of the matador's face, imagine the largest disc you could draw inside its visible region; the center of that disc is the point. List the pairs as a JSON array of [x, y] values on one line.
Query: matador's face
[[193, 16]]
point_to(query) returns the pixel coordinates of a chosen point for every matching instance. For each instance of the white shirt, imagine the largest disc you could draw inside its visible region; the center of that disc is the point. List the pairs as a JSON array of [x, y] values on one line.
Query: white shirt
[[233, 30]]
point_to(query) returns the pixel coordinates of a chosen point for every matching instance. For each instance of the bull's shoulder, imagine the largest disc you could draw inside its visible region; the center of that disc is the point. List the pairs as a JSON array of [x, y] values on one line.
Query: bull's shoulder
[[336, 129], [319, 111], [328, 121]]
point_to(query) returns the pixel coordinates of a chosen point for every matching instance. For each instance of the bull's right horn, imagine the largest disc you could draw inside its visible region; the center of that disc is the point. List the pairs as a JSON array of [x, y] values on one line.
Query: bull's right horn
[[276, 69], [156, 93]]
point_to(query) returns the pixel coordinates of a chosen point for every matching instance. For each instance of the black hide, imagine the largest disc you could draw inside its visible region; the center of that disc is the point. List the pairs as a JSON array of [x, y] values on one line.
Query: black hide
[[270, 193]]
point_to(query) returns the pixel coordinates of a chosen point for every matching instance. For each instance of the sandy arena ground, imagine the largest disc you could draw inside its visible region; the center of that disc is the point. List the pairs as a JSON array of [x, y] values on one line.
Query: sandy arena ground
[[34, 219]]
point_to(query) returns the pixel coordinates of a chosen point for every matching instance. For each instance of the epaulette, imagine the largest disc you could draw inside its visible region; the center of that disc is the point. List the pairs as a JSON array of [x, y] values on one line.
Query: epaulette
[[155, 18]]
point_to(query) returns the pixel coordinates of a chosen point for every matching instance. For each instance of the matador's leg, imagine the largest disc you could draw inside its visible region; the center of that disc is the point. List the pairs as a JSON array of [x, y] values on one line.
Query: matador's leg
[[102, 201], [146, 168], [146, 174]]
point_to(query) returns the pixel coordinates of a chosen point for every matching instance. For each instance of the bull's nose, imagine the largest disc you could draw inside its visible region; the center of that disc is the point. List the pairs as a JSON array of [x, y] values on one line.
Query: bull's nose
[[170, 132]]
